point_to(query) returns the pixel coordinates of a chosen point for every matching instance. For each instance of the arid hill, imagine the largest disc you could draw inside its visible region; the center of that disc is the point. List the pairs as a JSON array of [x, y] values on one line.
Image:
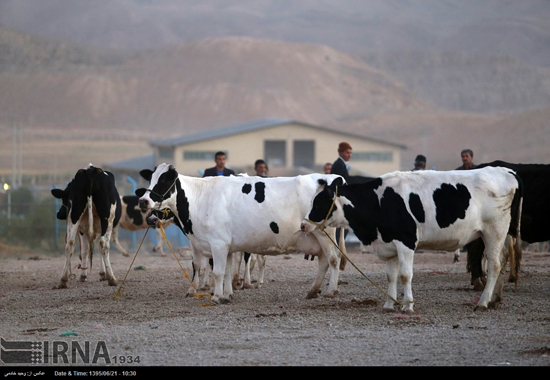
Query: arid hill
[[195, 85]]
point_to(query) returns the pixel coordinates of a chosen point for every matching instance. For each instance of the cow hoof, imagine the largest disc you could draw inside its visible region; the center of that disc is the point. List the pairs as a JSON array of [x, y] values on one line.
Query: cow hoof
[[481, 308], [83, 278], [112, 282], [388, 310], [330, 295], [478, 285], [312, 294], [62, 285]]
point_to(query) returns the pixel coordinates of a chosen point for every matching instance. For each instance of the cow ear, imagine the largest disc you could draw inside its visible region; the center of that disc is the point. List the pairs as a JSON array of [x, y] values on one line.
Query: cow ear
[[339, 181], [140, 192], [58, 193], [172, 173], [146, 174]]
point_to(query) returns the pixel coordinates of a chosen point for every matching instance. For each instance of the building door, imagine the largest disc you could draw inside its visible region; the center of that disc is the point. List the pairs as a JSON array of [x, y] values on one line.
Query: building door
[[275, 153], [304, 153]]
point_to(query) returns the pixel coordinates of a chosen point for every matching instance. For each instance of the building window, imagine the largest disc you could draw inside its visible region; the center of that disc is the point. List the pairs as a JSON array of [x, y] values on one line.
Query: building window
[[192, 155], [372, 156], [304, 153], [275, 152]]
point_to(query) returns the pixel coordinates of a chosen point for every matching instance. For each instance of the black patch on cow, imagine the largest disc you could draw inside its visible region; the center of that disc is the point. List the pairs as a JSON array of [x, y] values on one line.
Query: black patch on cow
[[415, 204], [451, 203], [396, 223], [274, 227], [367, 215], [260, 192], [182, 204], [247, 188], [134, 214], [363, 215]]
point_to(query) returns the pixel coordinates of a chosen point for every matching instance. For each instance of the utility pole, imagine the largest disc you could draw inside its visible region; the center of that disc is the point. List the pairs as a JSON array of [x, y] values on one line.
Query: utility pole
[[17, 157]]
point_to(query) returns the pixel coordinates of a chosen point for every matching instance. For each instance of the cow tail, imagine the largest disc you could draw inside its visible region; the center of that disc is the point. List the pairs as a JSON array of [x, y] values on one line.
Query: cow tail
[[515, 248], [342, 247]]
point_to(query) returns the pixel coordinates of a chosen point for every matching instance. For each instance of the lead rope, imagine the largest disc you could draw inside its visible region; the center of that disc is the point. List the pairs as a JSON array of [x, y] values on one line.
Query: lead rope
[[359, 270], [197, 295], [117, 293], [322, 227]]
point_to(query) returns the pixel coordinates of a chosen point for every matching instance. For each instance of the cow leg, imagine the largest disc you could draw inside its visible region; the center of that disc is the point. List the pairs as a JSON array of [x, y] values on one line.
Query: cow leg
[[238, 258], [228, 278], [474, 263], [322, 269], [392, 270], [220, 256], [104, 246], [249, 260], [494, 242], [86, 254], [261, 270], [72, 231], [204, 269], [158, 247], [117, 244], [331, 259], [406, 258], [197, 263]]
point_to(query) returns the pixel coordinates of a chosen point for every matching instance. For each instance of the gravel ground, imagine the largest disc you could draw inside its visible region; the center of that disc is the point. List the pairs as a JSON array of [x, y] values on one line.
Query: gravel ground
[[154, 324]]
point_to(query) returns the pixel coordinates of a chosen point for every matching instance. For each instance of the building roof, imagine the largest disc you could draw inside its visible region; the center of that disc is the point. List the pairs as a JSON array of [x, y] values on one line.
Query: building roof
[[250, 126], [133, 164]]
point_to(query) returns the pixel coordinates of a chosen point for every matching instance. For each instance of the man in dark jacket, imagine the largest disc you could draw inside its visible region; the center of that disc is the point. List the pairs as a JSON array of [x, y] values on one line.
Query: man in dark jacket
[[340, 166], [220, 168]]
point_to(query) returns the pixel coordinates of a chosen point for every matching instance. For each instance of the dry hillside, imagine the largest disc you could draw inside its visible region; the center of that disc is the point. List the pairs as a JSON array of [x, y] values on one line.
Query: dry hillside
[[194, 85]]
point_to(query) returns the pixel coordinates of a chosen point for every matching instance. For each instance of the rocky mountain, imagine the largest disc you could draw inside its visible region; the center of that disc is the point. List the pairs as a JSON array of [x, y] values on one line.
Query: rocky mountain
[[193, 85]]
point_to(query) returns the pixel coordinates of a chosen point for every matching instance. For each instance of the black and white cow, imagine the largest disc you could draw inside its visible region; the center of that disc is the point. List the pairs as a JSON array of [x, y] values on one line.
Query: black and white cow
[[223, 215], [402, 211], [133, 219], [535, 224], [92, 207]]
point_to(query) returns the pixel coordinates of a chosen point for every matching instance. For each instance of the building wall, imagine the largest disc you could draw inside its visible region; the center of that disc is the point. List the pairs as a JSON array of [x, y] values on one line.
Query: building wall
[[243, 149]]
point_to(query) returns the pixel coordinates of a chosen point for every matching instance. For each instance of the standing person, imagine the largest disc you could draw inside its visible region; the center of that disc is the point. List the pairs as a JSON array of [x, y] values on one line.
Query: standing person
[[340, 166], [327, 168], [219, 169], [261, 168], [467, 157], [419, 163]]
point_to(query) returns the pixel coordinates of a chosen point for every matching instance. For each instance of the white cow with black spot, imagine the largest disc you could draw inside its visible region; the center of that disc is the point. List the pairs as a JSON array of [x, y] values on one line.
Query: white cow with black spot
[[222, 215]]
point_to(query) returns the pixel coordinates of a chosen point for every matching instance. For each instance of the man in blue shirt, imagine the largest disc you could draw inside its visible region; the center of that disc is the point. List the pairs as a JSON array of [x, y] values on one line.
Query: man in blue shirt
[[219, 169]]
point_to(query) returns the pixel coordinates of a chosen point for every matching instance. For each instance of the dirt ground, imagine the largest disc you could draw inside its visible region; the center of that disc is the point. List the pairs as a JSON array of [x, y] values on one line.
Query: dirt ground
[[154, 324]]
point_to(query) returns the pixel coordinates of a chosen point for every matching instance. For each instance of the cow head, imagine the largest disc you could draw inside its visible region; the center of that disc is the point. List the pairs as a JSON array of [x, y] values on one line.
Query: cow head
[[63, 195], [324, 209], [162, 182]]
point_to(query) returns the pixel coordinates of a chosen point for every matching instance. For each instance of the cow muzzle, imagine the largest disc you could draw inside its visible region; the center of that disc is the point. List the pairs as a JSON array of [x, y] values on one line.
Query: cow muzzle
[[306, 227], [143, 204]]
